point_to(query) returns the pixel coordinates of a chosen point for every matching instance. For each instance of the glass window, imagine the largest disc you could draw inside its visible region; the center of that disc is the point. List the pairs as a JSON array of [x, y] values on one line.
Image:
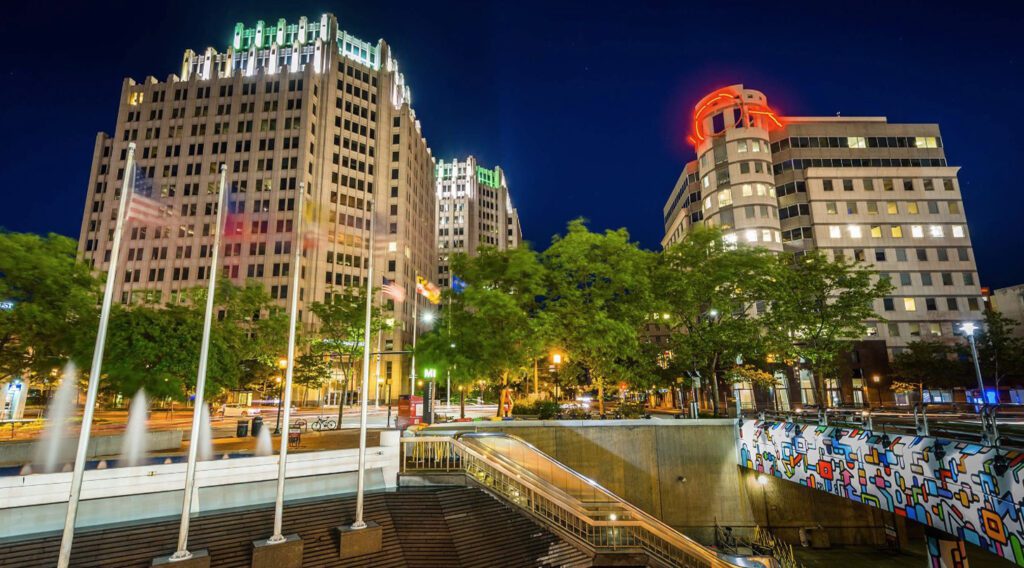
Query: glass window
[[876, 232], [922, 255], [947, 184], [887, 184], [910, 304], [936, 231], [872, 208], [901, 255], [854, 231], [835, 232], [830, 207], [954, 208], [958, 231], [896, 231], [741, 146], [916, 231], [891, 208], [827, 185], [912, 208], [847, 185], [929, 185], [905, 279], [894, 329], [747, 191], [725, 197], [926, 278], [972, 304], [869, 184], [933, 207], [930, 304], [915, 329], [951, 304], [968, 279], [887, 305]]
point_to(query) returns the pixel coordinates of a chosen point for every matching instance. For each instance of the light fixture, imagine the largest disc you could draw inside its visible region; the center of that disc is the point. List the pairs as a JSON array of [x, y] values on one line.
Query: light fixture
[[968, 327], [762, 479]]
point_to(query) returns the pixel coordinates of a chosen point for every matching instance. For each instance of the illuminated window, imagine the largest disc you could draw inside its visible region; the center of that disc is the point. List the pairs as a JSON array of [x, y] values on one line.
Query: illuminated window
[[916, 231], [730, 239], [926, 142], [835, 232], [910, 304], [778, 236], [912, 208], [751, 235], [771, 190], [935, 231], [747, 190], [741, 147], [760, 188], [954, 208], [136, 98], [766, 235], [856, 142], [707, 203], [392, 247], [830, 207], [896, 231], [958, 231], [854, 230], [706, 182], [876, 231], [725, 197], [934, 330], [891, 208]]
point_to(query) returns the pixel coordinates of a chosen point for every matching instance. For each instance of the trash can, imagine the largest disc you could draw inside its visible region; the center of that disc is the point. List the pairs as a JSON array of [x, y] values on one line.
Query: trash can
[[257, 425], [242, 429]]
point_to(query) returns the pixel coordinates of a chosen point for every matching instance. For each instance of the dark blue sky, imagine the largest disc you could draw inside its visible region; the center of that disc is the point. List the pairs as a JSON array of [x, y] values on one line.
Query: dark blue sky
[[584, 104]]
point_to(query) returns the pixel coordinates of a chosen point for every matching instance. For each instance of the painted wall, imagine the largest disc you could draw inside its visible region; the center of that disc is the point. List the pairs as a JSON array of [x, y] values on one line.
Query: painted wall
[[960, 494]]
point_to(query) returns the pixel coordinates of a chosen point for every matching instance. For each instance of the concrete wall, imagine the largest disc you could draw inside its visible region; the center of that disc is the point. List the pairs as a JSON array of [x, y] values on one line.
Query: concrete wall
[[684, 472], [33, 504], [19, 453]]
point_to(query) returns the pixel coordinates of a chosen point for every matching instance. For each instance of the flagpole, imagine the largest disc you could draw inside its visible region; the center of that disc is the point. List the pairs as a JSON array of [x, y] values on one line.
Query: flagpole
[[448, 388], [364, 396], [380, 338], [64, 557], [195, 438], [282, 459], [415, 323]]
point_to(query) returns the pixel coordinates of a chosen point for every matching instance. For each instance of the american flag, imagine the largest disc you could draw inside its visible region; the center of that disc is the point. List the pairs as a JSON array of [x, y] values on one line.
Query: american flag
[[142, 207], [393, 290]]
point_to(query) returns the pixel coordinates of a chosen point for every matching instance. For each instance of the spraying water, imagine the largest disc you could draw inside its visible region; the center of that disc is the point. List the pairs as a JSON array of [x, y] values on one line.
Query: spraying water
[[133, 446], [205, 449], [264, 447], [49, 450]]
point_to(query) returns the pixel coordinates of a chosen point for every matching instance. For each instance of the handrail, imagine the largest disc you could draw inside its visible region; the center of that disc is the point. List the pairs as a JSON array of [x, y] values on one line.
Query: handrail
[[554, 506]]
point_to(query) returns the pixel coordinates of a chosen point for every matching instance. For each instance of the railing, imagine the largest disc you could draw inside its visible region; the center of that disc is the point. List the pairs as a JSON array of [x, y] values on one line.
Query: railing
[[991, 425], [573, 505]]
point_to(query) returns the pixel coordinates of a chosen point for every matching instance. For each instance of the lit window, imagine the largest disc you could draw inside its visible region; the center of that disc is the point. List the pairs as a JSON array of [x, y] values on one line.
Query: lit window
[[830, 207], [896, 231], [771, 190], [751, 235], [392, 247], [926, 142], [876, 231], [835, 232], [854, 231], [935, 330], [935, 231], [742, 146], [766, 235], [707, 203], [910, 304], [954, 208], [916, 231], [706, 182], [755, 147], [760, 188], [730, 239], [725, 197], [747, 191], [856, 142], [912, 208], [891, 208], [778, 236], [958, 231]]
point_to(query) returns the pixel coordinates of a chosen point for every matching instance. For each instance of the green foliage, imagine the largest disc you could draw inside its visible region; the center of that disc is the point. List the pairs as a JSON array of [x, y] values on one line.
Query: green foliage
[[54, 297], [928, 364], [542, 409], [820, 305], [598, 296], [709, 289], [1000, 352]]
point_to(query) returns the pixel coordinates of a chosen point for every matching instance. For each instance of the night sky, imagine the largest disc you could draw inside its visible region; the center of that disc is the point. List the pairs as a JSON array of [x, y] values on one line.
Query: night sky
[[584, 104]]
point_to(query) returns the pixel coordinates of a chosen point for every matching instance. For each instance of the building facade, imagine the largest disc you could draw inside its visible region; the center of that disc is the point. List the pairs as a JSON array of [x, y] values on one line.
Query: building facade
[[288, 107], [1009, 303], [474, 209], [860, 187]]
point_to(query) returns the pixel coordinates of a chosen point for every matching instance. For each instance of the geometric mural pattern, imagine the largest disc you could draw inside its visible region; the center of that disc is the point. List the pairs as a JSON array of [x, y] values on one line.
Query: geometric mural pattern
[[949, 485]]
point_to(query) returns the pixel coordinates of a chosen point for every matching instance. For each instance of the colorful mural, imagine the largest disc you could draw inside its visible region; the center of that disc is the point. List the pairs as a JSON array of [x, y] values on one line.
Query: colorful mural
[[949, 485]]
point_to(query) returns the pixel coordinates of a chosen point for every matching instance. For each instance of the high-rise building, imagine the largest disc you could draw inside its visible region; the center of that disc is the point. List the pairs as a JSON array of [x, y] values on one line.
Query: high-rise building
[[474, 209], [858, 187], [286, 106]]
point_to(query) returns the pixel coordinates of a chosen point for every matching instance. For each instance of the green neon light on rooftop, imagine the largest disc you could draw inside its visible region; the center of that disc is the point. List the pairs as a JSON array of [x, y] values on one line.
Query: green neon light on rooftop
[[488, 177]]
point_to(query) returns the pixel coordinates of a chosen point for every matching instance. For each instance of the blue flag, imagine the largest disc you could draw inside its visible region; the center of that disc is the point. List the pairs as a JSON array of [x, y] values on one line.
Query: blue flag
[[458, 285]]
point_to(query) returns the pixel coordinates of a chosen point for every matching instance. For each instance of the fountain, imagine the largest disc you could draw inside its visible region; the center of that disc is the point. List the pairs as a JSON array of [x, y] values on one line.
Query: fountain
[[264, 447], [49, 450], [205, 448], [133, 446]]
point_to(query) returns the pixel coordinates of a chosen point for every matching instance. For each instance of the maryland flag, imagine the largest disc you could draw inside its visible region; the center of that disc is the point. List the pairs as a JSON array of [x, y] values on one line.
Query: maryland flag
[[429, 291]]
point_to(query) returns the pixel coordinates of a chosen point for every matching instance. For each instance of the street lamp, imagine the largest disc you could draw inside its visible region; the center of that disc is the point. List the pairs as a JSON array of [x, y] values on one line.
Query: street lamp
[[969, 328], [762, 480], [876, 379], [556, 359], [280, 398]]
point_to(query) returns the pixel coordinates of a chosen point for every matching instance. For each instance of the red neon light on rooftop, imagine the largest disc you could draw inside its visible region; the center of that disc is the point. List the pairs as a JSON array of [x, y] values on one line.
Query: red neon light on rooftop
[[748, 108]]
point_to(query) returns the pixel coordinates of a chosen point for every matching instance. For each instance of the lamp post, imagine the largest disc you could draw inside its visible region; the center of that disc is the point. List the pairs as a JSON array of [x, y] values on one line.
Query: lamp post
[[876, 379], [462, 401], [969, 328], [762, 480], [281, 364], [556, 360]]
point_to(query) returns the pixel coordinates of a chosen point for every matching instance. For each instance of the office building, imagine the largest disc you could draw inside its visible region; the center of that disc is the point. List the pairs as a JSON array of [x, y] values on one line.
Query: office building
[[474, 209], [286, 106]]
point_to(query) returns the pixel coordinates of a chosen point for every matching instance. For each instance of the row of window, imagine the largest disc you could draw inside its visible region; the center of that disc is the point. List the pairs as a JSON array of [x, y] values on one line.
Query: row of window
[[892, 207], [857, 142], [909, 304], [868, 184], [804, 163], [896, 231], [926, 278], [962, 254]]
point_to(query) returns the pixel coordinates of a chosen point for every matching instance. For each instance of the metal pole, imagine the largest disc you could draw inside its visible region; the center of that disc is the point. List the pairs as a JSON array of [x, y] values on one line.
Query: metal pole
[[448, 386], [204, 354], [64, 557], [415, 322], [282, 453], [380, 336], [977, 368], [363, 396]]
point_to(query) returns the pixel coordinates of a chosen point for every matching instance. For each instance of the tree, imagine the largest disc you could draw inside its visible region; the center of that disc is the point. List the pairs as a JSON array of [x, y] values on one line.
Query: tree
[[598, 296], [311, 371], [820, 305], [157, 348], [254, 327], [340, 332], [756, 377], [491, 328], [49, 312], [709, 289], [926, 363], [1000, 352]]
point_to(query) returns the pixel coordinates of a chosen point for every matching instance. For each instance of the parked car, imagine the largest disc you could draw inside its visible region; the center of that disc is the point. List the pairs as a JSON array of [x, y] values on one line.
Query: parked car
[[232, 410]]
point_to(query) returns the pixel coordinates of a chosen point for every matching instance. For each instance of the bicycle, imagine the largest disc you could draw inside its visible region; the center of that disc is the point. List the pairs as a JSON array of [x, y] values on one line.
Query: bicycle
[[322, 423]]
